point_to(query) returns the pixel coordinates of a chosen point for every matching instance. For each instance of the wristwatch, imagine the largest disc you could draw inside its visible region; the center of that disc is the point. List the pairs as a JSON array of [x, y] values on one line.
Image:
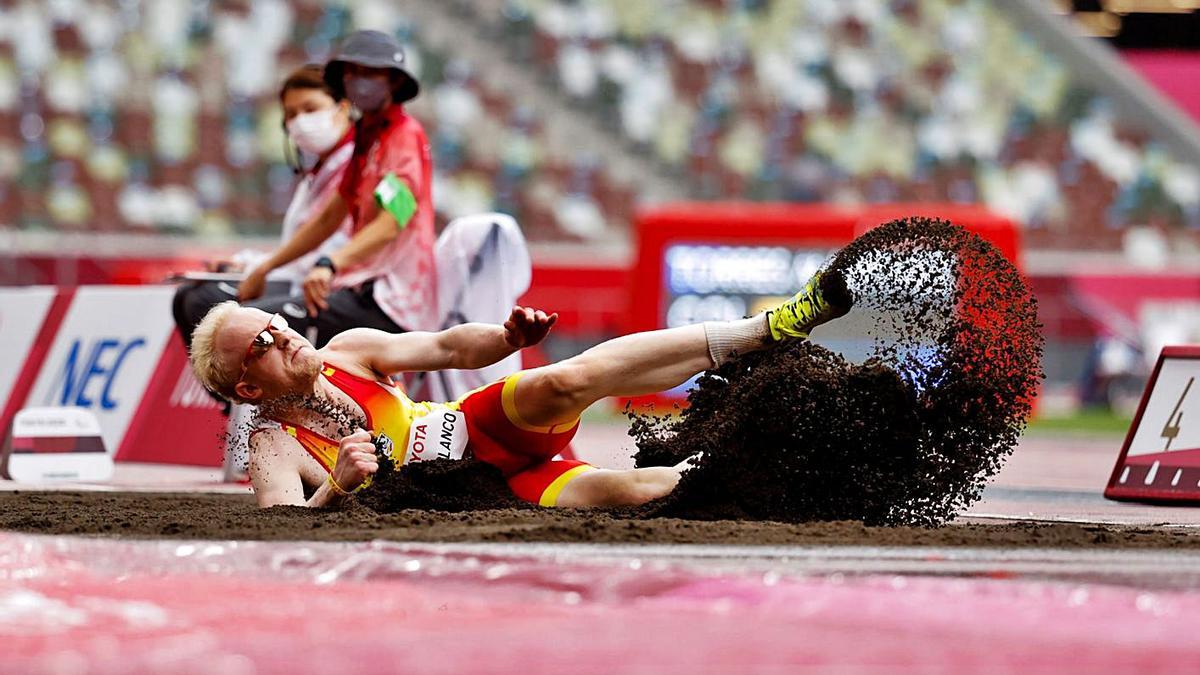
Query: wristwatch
[[326, 261]]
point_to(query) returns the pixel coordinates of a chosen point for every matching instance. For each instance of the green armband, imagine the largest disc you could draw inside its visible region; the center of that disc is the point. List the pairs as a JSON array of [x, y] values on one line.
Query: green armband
[[393, 195]]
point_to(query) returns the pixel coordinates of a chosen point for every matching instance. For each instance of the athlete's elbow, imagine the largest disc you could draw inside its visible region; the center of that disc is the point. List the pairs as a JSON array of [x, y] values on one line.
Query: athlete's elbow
[[648, 484]]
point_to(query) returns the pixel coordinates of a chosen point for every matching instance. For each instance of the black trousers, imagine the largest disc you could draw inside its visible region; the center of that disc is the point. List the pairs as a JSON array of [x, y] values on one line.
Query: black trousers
[[348, 308]]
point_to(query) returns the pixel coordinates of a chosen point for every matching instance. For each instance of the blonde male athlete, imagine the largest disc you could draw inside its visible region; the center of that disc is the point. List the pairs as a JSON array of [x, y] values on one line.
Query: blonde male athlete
[[517, 424]]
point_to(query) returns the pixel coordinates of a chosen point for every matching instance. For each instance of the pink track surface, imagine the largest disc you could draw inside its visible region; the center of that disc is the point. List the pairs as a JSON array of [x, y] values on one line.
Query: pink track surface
[[74, 605]]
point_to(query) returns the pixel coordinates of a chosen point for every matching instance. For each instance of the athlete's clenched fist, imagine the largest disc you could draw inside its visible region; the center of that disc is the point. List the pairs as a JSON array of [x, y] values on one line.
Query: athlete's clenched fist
[[355, 461]]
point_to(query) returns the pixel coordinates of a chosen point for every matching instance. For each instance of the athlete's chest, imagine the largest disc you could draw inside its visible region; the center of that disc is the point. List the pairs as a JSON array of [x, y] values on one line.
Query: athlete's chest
[[333, 415], [403, 430]]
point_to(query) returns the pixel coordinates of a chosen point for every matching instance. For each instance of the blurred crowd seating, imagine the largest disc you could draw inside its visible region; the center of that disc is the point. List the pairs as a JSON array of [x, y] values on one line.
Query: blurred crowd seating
[[858, 101], [162, 116], [492, 153]]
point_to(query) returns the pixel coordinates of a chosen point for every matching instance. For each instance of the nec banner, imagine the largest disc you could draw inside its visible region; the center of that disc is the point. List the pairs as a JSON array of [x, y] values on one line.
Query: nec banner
[[115, 354], [104, 353]]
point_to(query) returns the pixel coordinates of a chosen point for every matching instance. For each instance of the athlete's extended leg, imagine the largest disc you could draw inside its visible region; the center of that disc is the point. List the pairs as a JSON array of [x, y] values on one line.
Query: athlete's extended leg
[[576, 484], [630, 487], [631, 365], [645, 363]]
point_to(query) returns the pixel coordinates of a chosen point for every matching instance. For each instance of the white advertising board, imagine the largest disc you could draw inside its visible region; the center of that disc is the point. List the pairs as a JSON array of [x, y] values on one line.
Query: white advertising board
[[51, 444], [104, 354]]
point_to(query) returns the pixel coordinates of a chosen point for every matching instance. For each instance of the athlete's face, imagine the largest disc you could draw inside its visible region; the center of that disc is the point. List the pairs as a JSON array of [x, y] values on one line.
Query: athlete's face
[[274, 359]]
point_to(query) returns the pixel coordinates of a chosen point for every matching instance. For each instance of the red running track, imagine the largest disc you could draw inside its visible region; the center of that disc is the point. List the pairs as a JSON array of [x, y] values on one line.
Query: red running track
[[74, 605]]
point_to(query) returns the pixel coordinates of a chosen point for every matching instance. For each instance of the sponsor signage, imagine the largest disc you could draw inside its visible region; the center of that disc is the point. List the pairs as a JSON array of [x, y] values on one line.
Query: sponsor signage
[[104, 354], [49, 444], [440, 434]]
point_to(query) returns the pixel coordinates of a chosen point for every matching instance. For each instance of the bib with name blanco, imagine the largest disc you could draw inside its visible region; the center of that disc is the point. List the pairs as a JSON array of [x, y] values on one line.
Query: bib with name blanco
[[439, 434]]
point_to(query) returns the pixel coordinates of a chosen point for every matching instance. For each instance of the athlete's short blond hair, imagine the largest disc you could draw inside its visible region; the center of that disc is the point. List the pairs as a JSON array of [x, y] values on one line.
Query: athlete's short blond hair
[[207, 363]]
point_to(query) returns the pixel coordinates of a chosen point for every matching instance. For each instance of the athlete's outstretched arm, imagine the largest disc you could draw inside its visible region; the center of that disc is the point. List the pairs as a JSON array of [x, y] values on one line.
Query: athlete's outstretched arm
[[468, 346]]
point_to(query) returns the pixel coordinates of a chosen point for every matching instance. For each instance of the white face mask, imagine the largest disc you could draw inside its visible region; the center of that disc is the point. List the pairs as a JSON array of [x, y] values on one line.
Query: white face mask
[[316, 132]]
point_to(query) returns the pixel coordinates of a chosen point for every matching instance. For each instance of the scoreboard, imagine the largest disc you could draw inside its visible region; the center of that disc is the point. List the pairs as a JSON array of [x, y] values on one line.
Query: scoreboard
[[706, 282]]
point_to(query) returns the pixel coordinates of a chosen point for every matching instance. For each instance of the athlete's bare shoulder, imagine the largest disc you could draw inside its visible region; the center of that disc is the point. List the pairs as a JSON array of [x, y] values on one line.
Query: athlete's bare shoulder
[[358, 339], [354, 350]]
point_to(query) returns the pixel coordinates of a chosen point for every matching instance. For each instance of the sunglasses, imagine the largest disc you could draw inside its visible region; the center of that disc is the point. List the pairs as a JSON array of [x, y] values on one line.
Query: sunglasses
[[263, 342]]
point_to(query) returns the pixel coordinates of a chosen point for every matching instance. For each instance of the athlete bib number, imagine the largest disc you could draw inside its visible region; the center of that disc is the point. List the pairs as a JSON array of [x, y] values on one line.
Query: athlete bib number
[[441, 434]]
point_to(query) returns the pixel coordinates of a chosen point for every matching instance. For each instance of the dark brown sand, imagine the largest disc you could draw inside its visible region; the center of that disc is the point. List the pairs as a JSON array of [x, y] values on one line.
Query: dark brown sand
[[228, 517]]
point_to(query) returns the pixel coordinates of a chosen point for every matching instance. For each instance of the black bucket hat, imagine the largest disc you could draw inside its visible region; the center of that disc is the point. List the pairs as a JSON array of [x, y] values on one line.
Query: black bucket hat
[[372, 49]]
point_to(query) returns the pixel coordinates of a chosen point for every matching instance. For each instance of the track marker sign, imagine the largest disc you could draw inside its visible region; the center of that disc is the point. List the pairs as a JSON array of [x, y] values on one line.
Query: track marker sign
[[1160, 461], [51, 444]]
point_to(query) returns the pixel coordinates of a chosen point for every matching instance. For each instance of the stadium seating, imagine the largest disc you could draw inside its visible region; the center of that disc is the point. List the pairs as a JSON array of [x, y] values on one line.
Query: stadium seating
[[161, 116], [859, 101]]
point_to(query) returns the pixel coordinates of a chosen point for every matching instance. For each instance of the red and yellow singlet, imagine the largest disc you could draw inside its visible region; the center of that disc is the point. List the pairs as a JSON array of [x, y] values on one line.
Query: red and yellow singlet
[[484, 424]]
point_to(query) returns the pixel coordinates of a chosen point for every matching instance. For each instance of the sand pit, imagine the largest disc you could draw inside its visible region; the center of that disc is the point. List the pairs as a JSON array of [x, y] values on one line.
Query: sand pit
[[229, 517]]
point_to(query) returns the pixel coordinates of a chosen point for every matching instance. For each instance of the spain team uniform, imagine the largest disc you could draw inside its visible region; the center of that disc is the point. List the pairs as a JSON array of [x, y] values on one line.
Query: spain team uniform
[[483, 424]]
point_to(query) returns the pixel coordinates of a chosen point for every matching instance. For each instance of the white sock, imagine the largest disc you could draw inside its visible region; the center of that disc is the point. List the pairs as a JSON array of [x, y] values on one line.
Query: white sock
[[740, 336]]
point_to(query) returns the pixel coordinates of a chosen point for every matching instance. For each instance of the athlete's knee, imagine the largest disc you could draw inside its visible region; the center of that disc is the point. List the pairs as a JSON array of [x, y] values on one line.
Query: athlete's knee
[[617, 487], [638, 486], [655, 482], [566, 382]]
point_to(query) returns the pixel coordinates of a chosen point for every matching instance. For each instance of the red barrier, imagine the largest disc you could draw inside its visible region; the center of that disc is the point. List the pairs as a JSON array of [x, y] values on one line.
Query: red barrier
[[34, 359]]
